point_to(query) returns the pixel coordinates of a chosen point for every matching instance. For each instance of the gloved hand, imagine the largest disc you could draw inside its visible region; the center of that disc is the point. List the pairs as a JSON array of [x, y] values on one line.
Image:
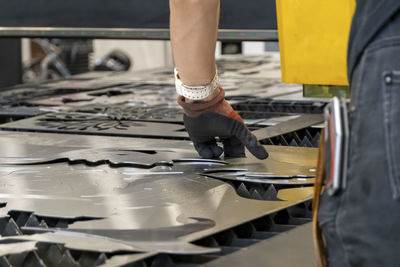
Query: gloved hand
[[205, 120]]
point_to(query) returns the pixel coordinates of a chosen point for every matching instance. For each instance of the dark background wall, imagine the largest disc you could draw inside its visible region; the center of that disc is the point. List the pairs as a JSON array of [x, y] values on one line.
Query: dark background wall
[[10, 62], [235, 14]]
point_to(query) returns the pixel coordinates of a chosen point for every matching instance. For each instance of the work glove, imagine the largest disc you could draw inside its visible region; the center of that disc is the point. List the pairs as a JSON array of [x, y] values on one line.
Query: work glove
[[205, 120]]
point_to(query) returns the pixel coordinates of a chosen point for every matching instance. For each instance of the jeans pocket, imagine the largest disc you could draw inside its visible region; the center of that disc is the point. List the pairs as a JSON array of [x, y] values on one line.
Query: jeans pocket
[[391, 113]]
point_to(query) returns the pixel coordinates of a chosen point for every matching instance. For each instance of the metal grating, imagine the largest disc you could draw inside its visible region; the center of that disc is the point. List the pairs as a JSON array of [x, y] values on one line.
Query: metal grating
[[239, 237], [46, 254], [265, 108], [308, 137], [256, 191], [229, 241]]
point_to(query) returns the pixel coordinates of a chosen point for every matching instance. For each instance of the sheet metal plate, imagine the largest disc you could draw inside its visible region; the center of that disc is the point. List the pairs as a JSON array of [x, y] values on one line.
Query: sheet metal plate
[[293, 248], [301, 122], [142, 94], [96, 124], [136, 199]]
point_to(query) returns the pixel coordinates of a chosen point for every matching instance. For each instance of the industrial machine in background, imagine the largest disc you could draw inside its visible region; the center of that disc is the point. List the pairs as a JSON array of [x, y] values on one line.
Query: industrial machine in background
[[140, 19], [313, 37], [57, 58]]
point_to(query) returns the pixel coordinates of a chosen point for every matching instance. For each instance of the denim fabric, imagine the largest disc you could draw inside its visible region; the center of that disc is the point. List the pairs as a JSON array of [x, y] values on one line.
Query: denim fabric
[[361, 226], [369, 19]]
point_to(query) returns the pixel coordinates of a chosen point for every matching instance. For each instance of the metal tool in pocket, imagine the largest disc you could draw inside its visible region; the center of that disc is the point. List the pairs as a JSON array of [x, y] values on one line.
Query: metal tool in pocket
[[336, 143]]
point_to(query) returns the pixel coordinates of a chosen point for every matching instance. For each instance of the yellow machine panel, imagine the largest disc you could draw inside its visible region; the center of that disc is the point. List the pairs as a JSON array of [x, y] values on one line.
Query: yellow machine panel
[[313, 36]]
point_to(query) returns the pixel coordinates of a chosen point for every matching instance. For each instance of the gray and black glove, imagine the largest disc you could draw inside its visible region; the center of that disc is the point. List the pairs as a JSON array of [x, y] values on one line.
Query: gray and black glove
[[204, 121]]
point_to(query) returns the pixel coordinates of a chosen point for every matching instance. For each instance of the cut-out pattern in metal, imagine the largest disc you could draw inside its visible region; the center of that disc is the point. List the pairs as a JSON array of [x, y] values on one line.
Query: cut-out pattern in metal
[[21, 94], [153, 196], [96, 124], [111, 241], [229, 241], [73, 193], [139, 158], [134, 94], [298, 123], [159, 198], [259, 178], [254, 108], [161, 113], [308, 137]]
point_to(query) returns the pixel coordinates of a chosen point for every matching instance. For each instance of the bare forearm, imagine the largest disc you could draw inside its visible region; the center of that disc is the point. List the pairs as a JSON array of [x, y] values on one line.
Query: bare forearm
[[194, 29]]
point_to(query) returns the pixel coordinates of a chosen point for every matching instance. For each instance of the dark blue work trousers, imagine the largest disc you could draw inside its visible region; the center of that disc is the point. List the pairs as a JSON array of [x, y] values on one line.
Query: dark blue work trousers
[[361, 225]]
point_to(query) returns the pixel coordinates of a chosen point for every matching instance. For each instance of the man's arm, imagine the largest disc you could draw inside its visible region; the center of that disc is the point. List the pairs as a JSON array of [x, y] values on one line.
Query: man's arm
[[194, 30]]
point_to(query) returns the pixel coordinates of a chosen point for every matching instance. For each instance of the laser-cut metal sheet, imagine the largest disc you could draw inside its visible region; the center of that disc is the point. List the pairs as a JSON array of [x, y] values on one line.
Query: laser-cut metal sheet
[[126, 201], [85, 84], [137, 199], [293, 248], [261, 178], [245, 90], [17, 144], [140, 203], [139, 235], [16, 247], [74, 191], [284, 161], [136, 122], [117, 157], [113, 157], [301, 122], [290, 194], [123, 260], [282, 167], [29, 92], [18, 95], [164, 240], [78, 241], [145, 94], [96, 124], [261, 79], [160, 113], [20, 112]]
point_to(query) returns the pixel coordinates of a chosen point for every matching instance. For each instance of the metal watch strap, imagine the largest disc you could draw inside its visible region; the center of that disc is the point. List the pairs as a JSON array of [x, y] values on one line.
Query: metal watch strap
[[195, 92]]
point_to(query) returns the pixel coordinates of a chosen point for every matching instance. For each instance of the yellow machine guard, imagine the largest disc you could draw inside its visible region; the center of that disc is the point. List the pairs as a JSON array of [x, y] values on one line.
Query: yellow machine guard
[[313, 36]]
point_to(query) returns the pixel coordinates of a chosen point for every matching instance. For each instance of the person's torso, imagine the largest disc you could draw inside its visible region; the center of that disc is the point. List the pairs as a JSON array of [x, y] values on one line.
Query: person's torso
[[368, 20]]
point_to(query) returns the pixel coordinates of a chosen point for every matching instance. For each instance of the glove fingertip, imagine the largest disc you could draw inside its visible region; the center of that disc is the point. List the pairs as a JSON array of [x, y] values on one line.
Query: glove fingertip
[[257, 149], [210, 152], [217, 151], [206, 154], [260, 152]]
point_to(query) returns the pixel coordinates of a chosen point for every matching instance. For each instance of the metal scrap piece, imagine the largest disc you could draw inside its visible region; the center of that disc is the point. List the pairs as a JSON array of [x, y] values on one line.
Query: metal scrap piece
[[273, 179], [122, 260], [81, 240], [139, 158], [16, 247], [301, 122]]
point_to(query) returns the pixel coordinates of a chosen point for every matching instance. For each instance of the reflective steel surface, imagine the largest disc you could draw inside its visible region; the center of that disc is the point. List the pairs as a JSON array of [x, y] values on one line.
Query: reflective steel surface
[[98, 169], [135, 205]]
